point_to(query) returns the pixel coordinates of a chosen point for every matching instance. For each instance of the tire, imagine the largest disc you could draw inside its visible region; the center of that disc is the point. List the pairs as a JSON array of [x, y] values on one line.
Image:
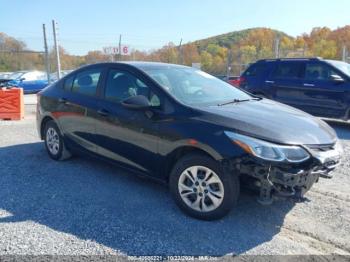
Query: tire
[[54, 142], [199, 203]]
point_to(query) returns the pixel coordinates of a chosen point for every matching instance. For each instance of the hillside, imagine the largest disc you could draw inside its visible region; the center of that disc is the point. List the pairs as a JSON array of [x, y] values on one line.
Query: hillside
[[233, 38], [237, 48]]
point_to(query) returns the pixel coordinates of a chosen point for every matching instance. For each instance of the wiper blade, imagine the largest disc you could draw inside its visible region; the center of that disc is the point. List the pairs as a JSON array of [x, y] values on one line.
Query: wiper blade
[[234, 101]]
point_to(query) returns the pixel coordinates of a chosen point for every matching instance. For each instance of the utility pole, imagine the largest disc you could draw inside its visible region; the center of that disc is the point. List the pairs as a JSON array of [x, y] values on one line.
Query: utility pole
[[277, 47], [58, 63], [229, 62], [304, 50], [344, 53], [180, 53], [46, 55], [120, 47], [2, 42]]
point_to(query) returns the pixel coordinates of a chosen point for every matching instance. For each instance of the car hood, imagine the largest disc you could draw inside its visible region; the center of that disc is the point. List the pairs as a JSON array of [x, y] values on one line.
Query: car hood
[[272, 121]]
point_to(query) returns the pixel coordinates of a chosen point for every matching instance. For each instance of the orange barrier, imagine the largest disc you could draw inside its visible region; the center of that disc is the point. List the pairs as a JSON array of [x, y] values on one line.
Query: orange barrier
[[11, 104]]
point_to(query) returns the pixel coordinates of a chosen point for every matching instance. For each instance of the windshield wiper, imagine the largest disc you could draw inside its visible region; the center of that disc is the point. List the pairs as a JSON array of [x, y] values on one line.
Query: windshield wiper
[[234, 101]]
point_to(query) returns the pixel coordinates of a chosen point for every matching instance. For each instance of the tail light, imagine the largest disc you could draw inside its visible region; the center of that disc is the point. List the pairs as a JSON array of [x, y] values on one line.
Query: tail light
[[237, 82]]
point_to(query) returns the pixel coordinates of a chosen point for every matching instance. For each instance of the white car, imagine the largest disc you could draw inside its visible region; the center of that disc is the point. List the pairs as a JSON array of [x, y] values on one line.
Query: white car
[[5, 75], [28, 75]]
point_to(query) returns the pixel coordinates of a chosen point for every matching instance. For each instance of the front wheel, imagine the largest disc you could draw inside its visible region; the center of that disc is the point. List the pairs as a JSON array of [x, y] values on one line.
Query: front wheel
[[202, 189]]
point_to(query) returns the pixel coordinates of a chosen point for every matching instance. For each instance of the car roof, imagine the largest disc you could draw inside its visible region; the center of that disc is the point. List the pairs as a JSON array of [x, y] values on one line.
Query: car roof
[[143, 65], [291, 59]]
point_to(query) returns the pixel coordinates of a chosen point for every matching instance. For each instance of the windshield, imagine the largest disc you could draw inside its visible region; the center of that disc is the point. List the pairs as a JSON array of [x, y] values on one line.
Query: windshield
[[16, 75], [342, 66], [192, 86]]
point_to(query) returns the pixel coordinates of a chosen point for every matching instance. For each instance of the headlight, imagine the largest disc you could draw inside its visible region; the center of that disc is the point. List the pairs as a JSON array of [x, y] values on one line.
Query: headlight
[[269, 151]]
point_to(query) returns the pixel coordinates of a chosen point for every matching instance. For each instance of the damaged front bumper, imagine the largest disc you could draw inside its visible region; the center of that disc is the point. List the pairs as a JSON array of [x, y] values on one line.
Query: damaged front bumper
[[277, 179]]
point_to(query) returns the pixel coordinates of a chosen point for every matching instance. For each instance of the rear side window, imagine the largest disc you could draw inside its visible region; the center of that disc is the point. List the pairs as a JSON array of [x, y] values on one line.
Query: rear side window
[[86, 82], [287, 71], [318, 71], [255, 70]]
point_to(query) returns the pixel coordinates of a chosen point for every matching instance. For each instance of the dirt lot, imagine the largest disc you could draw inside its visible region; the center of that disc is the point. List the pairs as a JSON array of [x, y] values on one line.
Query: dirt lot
[[85, 206]]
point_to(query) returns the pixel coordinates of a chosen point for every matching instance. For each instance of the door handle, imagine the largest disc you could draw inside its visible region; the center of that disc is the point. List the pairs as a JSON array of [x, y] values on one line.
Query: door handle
[[103, 112], [310, 85], [62, 100], [269, 82]]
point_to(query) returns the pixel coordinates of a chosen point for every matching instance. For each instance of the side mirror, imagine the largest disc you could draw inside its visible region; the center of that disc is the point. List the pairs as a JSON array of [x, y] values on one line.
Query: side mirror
[[138, 102], [337, 79], [22, 79]]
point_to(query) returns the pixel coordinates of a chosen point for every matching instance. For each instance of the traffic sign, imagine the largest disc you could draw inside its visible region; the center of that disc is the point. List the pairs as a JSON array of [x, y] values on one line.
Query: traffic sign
[[114, 50]]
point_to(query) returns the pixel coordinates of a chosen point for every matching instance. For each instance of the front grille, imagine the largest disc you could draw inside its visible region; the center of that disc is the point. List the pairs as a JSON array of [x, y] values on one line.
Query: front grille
[[328, 155], [321, 148]]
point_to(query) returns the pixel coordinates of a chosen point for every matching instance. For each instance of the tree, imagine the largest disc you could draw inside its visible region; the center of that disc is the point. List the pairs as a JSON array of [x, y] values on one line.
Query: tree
[[216, 50], [263, 39], [218, 65], [286, 46], [96, 56], [11, 58], [325, 48], [168, 53], [247, 54], [342, 37], [190, 54], [206, 61], [68, 61]]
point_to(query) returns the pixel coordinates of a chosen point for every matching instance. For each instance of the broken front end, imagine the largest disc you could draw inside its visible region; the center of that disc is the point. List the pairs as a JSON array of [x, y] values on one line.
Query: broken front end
[[284, 171]]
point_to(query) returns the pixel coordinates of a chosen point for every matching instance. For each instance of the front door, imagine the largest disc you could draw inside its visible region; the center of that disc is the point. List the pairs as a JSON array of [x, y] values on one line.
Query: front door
[[126, 135], [325, 97]]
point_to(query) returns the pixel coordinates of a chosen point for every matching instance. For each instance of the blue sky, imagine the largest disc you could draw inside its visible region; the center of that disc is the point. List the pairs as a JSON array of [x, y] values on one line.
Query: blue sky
[[89, 25]]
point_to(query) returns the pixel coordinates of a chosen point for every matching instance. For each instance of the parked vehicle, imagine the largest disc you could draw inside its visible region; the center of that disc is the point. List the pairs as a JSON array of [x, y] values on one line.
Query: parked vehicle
[[4, 78], [232, 80], [30, 81], [5, 75], [314, 85], [188, 129]]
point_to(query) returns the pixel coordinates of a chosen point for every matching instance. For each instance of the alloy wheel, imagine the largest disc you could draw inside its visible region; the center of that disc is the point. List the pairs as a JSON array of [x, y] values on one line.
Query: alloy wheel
[[52, 141], [201, 188]]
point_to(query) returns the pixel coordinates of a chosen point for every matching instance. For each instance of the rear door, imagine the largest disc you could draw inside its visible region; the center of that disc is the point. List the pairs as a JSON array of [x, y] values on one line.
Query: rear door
[[324, 96], [285, 83], [77, 110]]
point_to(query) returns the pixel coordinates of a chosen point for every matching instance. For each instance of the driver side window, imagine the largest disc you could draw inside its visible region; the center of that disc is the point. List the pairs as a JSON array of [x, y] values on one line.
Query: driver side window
[[121, 85], [318, 72]]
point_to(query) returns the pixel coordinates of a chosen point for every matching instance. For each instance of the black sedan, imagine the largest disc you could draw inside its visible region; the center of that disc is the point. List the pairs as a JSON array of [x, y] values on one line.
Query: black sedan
[[188, 129]]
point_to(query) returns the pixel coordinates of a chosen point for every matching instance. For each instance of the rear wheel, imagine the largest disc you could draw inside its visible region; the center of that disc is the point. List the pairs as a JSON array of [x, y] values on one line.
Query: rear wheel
[[54, 142], [202, 189]]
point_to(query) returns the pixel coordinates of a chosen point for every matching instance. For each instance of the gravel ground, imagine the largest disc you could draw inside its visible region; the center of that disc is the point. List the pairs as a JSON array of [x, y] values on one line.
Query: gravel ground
[[87, 207]]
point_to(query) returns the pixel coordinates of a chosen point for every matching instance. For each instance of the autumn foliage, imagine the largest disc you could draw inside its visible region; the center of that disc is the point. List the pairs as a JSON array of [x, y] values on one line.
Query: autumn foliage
[[235, 49]]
